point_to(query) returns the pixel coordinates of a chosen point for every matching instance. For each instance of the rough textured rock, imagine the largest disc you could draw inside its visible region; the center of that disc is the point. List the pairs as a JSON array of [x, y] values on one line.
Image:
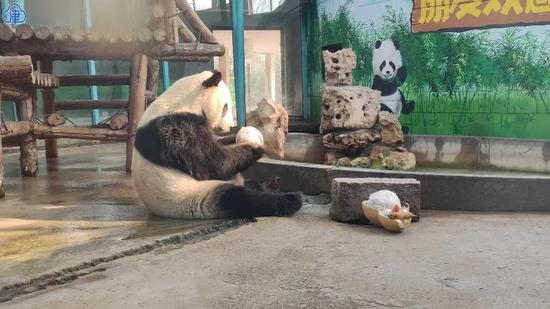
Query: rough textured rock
[[348, 193], [271, 120], [332, 157], [362, 162], [349, 107], [55, 120], [119, 121], [390, 128], [352, 141], [392, 158], [339, 66]]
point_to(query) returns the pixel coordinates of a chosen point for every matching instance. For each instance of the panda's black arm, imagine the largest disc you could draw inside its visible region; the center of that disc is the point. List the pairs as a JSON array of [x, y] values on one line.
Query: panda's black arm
[[185, 142], [227, 139]]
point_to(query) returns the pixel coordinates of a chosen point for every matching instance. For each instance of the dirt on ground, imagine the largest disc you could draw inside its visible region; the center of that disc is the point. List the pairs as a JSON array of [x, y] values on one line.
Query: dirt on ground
[[448, 260]]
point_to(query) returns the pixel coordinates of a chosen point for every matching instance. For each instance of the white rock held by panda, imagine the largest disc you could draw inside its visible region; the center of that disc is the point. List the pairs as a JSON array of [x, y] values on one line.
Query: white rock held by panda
[[349, 107], [250, 135]]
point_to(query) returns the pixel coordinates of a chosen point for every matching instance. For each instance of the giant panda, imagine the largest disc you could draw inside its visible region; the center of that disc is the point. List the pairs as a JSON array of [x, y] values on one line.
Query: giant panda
[[389, 73], [182, 170]]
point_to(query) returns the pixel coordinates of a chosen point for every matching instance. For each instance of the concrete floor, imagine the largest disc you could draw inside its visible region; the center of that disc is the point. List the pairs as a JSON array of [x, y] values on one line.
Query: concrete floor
[[87, 208]]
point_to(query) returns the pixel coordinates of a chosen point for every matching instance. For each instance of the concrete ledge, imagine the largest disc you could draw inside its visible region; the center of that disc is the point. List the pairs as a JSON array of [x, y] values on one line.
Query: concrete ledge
[[447, 152], [445, 191]]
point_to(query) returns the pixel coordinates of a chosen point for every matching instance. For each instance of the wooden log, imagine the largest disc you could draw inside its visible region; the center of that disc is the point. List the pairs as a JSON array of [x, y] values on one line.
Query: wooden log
[[189, 50], [145, 35], [60, 33], [153, 71], [51, 133], [119, 121], [194, 20], [95, 37], [55, 120], [16, 128], [24, 32], [78, 35], [2, 191], [28, 159], [186, 34], [111, 38], [94, 80], [48, 99], [43, 33], [12, 92], [90, 104], [15, 68], [137, 103], [171, 13], [157, 9], [128, 37], [184, 59], [6, 33], [160, 35], [44, 80]]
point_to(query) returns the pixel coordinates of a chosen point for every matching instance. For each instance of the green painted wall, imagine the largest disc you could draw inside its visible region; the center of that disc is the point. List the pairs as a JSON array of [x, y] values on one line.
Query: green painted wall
[[492, 82]]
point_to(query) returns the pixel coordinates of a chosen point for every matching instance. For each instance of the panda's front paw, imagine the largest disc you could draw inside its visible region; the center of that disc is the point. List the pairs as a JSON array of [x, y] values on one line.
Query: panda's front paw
[[257, 151]]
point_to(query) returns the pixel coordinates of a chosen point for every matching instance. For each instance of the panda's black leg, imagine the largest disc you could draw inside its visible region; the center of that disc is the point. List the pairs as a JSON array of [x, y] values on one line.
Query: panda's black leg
[[271, 184], [241, 202]]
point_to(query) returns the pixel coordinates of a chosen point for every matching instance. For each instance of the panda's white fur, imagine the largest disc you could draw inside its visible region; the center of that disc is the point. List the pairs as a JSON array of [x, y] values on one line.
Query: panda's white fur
[[179, 168], [168, 192]]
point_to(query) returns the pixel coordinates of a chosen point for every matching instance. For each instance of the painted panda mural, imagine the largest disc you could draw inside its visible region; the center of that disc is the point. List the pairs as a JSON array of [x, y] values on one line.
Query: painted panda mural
[[182, 170], [389, 74]]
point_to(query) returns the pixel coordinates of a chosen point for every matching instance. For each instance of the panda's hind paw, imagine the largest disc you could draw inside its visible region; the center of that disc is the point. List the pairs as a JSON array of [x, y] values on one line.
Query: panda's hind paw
[[289, 204]]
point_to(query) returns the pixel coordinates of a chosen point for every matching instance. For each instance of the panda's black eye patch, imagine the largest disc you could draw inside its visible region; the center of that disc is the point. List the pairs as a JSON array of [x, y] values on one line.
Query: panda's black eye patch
[[225, 109], [392, 65], [382, 65]]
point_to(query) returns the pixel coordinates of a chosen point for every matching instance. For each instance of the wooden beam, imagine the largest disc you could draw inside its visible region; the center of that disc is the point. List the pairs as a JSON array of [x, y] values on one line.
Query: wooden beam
[[90, 104], [28, 161], [195, 21], [16, 128], [51, 133], [189, 50], [137, 103], [15, 68], [184, 59], [186, 34], [6, 33], [44, 80], [153, 71], [61, 33], [24, 32], [170, 24], [13, 93], [70, 50], [48, 99], [43, 33], [94, 80], [2, 191]]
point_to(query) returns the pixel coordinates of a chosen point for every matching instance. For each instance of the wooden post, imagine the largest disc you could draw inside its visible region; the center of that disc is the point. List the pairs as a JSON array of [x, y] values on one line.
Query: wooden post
[[136, 103], [153, 71], [48, 97], [2, 192], [28, 151], [196, 22]]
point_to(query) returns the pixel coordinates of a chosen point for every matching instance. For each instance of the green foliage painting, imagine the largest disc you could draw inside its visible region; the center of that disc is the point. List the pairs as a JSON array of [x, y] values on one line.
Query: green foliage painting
[[492, 82]]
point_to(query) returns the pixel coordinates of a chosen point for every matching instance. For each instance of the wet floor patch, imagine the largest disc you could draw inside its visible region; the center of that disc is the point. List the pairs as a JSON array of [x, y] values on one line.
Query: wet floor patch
[[68, 274]]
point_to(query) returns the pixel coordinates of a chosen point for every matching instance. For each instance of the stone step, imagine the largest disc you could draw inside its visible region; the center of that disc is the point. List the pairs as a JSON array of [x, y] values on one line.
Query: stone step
[[348, 193]]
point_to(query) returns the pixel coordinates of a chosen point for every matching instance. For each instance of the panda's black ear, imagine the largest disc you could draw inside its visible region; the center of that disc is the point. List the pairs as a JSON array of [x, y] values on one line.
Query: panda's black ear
[[396, 44], [213, 80], [377, 44]]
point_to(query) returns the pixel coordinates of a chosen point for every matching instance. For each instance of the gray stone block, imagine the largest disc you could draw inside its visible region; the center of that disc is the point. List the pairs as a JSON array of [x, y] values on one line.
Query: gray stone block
[[348, 193], [349, 107]]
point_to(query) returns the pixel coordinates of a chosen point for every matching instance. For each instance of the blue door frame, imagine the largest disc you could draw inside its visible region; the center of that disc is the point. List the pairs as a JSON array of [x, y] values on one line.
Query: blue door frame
[[237, 13]]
